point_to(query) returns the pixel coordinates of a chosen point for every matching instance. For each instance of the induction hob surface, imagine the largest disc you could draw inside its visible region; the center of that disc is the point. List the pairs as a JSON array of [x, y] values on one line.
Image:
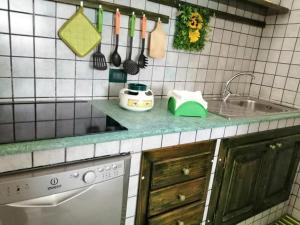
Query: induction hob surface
[[47, 120]]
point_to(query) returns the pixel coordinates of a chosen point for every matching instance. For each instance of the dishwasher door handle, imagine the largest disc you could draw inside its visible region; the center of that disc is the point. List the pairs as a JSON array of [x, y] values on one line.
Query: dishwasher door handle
[[51, 200]]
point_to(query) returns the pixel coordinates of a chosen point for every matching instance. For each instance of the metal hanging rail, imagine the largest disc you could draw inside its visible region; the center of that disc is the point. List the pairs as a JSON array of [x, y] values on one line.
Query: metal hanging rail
[[111, 7], [217, 13]]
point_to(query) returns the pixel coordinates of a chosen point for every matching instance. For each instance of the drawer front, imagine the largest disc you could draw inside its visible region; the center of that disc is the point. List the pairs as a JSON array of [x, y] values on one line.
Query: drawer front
[[168, 198], [187, 215], [169, 172]]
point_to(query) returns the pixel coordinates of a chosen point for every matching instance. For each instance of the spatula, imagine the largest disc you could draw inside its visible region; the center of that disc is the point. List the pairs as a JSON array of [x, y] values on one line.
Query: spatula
[[99, 60], [158, 41], [115, 57], [143, 60], [130, 66]]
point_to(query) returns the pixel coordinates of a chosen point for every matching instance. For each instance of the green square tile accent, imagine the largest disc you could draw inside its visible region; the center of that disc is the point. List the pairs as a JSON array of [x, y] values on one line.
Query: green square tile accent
[[117, 76], [79, 34]]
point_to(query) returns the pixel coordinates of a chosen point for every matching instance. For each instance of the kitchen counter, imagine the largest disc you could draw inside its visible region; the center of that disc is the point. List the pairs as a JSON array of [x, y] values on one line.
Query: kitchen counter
[[155, 122]]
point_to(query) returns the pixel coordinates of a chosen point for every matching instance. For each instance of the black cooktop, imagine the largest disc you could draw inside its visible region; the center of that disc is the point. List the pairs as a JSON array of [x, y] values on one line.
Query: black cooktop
[[47, 120]]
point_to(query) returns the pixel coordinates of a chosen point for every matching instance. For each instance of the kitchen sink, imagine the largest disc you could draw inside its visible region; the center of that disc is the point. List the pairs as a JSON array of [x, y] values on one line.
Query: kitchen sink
[[238, 107]]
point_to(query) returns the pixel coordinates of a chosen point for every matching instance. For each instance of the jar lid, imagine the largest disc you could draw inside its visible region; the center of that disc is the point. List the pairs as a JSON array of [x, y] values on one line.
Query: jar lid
[[137, 87]]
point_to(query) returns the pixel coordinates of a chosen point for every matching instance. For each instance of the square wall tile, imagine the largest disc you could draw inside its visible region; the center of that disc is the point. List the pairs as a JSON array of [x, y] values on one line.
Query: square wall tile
[[131, 206], [45, 87], [203, 135], [5, 88], [84, 88], [187, 137], [22, 67], [25, 131], [15, 162], [135, 164], [17, 27], [151, 142], [100, 88], [4, 22], [107, 148], [253, 127], [170, 139], [45, 47], [131, 145], [23, 87], [22, 6], [5, 66], [4, 44], [242, 129], [65, 87], [217, 133], [45, 26], [3, 4], [43, 7], [79, 152], [45, 68], [45, 130], [65, 69], [230, 131], [6, 133], [48, 157], [22, 45]]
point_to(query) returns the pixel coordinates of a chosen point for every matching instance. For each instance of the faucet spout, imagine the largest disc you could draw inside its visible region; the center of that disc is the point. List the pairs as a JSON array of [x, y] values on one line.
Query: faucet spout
[[227, 93]]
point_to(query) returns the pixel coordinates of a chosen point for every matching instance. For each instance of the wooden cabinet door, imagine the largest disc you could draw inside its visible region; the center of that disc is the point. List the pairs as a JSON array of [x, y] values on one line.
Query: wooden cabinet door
[[241, 182], [280, 171]]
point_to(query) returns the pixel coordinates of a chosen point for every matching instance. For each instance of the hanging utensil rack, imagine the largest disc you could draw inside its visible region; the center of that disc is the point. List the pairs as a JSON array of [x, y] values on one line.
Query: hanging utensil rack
[[217, 13], [111, 7]]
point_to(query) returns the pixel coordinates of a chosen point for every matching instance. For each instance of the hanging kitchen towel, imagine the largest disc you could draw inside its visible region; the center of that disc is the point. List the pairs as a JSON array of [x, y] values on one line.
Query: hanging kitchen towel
[[79, 34]]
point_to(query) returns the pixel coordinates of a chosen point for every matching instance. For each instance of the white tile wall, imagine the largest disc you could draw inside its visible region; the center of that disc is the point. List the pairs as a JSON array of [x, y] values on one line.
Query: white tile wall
[[80, 152], [107, 148], [42, 158], [170, 139], [232, 48]]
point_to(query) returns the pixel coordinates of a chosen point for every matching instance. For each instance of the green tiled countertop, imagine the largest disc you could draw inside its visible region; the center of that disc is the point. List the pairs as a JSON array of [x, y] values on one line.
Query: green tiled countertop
[[140, 124]]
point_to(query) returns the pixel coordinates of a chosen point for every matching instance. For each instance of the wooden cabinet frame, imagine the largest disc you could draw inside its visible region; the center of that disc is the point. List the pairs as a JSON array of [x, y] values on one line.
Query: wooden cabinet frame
[[265, 196], [149, 157]]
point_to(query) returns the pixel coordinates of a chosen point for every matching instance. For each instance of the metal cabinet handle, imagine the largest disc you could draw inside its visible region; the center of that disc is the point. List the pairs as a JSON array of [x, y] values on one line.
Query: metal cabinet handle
[[179, 222], [279, 145], [181, 197], [186, 171], [273, 147]]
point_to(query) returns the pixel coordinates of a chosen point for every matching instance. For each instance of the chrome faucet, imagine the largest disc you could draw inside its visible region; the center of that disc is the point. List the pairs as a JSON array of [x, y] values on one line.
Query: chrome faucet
[[227, 93]]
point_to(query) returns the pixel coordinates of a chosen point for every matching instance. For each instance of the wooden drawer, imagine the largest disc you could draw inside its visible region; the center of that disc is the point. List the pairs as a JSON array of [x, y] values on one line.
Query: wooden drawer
[[168, 198], [189, 215], [177, 170]]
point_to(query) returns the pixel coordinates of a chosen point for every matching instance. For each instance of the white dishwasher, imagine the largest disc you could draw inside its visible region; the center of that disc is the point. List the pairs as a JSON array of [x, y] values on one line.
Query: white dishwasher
[[92, 192]]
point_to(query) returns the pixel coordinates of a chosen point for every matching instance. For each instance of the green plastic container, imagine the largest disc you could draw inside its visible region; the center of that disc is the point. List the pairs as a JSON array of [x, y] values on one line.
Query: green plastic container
[[189, 108]]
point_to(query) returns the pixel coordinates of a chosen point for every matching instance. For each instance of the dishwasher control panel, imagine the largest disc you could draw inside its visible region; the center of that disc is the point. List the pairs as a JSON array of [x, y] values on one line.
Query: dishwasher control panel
[[38, 184]]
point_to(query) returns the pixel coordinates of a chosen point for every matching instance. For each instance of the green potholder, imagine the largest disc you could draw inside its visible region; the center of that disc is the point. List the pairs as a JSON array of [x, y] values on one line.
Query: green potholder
[[79, 34]]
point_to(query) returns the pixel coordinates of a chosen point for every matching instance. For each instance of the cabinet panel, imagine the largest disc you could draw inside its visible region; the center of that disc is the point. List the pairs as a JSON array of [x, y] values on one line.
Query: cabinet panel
[[168, 172], [242, 178], [279, 173], [189, 215], [165, 199]]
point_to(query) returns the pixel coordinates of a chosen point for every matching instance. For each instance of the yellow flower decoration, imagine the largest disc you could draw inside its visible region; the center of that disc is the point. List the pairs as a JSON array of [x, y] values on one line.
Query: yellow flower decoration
[[194, 36], [195, 21]]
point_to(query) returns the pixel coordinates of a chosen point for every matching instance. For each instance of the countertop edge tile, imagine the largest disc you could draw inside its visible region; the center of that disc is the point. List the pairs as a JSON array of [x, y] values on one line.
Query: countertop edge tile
[[156, 122]]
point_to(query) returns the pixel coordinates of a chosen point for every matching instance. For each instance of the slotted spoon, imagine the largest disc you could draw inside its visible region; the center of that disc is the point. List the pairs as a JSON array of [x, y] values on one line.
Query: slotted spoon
[[130, 66], [143, 60], [99, 60]]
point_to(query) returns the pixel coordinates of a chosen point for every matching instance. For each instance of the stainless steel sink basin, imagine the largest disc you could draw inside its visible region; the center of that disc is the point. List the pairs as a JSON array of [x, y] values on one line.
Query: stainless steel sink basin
[[238, 107]]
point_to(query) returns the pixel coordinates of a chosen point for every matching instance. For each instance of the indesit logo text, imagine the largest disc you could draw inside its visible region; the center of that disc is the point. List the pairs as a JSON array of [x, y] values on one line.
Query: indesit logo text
[[54, 184]]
